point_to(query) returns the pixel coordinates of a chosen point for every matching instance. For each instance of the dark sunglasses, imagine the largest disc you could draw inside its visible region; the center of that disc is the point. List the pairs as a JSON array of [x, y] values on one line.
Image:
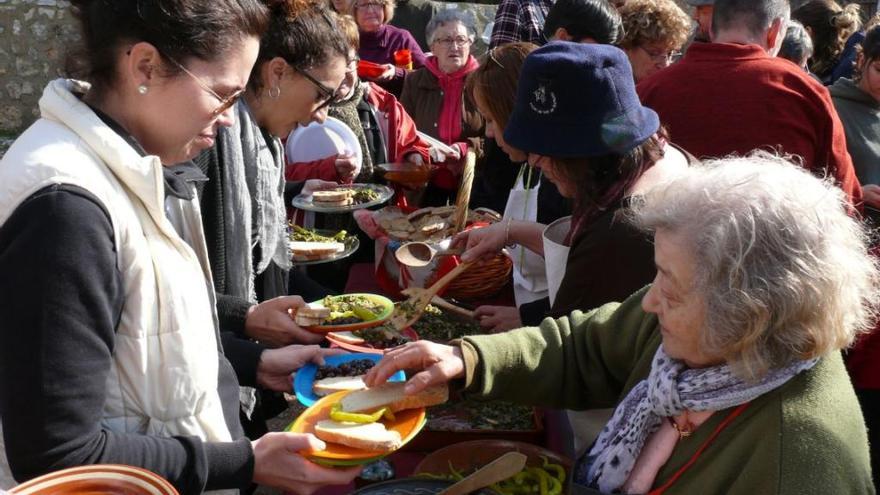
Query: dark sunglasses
[[328, 96]]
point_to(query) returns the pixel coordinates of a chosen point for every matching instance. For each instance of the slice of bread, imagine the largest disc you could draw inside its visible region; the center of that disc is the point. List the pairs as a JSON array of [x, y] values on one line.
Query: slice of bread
[[369, 436], [391, 394], [308, 316], [307, 251], [327, 386], [334, 196], [348, 337]]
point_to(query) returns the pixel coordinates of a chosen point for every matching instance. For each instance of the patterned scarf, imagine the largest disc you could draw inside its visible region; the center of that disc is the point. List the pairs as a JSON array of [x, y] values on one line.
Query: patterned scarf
[[671, 388], [452, 87], [346, 111]]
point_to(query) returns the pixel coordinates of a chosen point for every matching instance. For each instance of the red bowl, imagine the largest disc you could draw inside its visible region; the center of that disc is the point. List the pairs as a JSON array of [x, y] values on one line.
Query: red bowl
[[369, 70]]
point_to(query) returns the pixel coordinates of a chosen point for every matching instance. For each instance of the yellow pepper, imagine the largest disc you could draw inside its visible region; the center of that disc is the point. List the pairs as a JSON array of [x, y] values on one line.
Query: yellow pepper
[[337, 414]]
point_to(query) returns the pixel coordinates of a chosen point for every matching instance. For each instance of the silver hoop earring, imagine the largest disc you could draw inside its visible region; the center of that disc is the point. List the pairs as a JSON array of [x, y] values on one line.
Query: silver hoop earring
[[142, 89], [275, 92]]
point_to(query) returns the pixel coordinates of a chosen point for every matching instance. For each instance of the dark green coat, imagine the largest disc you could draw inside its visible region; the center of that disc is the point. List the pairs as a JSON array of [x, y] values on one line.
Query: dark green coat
[[806, 437]]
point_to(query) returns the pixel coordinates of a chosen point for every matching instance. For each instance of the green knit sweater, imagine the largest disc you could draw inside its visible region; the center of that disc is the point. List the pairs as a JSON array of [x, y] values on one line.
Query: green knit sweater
[[806, 437]]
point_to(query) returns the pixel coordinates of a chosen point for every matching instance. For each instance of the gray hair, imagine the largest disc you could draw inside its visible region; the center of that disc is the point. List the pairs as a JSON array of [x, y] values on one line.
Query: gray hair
[[797, 45], [784, 270], [755, 16], [450, 15]]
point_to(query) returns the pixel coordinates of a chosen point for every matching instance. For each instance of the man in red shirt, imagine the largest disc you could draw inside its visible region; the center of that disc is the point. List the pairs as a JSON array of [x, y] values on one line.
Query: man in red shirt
[[732, 96]]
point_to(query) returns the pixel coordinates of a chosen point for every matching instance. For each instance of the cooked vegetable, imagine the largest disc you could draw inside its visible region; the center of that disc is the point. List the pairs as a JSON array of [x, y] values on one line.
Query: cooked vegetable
[[437, 326], [298, 233], [337, 414], [364, 195], [382, 336], [347, 309], [531, 480]]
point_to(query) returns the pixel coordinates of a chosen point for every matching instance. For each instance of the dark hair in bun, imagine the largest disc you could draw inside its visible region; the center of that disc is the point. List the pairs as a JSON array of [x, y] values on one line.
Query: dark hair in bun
[[302, 32], [180, 29]]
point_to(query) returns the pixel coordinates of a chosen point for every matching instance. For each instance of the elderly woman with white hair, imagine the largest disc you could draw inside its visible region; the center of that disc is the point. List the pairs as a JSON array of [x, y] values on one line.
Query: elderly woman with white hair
[[725, 372], [435, 99]]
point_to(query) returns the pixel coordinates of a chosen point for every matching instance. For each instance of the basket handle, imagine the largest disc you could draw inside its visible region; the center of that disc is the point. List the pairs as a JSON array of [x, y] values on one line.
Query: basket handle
[[464, 192]]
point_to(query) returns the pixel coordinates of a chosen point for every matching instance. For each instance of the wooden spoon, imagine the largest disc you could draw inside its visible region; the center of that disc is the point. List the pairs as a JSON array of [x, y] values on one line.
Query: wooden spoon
[[408, 312], [418, 254], [498, 470], [452, 308]]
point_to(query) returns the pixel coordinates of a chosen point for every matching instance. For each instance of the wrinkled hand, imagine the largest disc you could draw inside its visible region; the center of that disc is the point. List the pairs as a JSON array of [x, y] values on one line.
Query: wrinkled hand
[[388, 75], [437, 363], [313, 185], [277, 463], [345, 167], [276, 365], [271, 322], [483, 242], [871, 195], [498, 318]]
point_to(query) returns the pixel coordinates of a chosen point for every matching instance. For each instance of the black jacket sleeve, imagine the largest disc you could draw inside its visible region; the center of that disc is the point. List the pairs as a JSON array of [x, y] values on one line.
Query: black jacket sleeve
[[62, 299], [533, 313]]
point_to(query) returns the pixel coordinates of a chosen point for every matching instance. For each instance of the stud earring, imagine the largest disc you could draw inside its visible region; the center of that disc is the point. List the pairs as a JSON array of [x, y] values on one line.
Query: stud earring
[[142, 89]]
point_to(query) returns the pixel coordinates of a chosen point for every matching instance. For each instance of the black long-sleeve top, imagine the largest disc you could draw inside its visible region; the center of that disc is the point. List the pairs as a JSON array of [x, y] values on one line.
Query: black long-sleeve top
[[63, 297]]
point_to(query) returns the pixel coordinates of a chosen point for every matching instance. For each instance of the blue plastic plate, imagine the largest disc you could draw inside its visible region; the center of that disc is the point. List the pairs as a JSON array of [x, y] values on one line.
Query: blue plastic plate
[[305, 376]]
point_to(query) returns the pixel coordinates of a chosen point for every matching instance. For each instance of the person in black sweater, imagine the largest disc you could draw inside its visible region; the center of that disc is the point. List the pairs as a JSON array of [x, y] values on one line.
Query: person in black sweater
[[94, 270]]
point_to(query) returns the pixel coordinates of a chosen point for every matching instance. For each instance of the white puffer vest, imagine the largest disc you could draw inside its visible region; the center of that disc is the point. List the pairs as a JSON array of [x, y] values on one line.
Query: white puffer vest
[[163, 380]]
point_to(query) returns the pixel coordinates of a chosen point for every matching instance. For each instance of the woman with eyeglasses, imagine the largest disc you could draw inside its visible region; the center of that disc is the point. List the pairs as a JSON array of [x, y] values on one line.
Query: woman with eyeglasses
[[384, 44], [109, 347], [300, 65], [384, 129], [654, 32], [434, 97]]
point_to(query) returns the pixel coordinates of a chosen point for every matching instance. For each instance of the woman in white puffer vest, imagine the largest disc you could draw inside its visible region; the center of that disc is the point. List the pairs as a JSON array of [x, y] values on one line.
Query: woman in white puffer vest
[[108, 339]]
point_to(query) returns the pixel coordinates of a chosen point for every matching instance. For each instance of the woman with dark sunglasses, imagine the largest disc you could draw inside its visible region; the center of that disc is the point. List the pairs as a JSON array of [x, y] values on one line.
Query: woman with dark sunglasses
[[109, 343]]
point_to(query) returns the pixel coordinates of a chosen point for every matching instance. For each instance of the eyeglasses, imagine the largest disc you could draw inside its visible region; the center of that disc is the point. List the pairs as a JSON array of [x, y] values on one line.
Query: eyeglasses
[[225, 103], [450, 42], [326, 95], [491, 55], [663, 57]]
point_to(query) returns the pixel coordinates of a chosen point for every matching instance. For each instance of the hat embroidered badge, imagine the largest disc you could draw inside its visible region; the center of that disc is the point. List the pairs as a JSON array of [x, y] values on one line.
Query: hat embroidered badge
[[543, 101]]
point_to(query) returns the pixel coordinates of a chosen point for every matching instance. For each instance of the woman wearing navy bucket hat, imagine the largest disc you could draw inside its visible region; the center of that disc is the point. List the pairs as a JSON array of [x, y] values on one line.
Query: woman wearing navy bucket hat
[[579, 119]]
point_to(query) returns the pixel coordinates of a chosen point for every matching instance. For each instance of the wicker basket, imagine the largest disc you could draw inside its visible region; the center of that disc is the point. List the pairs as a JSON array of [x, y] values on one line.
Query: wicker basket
[[482, 280]]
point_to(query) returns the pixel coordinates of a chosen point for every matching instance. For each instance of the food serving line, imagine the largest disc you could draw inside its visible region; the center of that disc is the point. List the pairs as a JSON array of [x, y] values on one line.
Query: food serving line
[[433, 442]]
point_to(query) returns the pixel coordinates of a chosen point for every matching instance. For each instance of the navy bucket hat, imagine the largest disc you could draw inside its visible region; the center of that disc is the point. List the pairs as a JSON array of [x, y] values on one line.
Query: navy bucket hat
[[578, 100]]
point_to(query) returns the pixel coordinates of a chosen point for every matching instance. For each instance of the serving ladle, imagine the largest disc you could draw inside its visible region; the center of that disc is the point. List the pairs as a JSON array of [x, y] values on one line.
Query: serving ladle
[[419, 254]]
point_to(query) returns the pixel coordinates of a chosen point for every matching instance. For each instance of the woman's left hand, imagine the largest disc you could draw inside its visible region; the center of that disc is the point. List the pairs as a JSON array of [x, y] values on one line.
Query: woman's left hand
[[276, 365], [498, 318], [388, 74]]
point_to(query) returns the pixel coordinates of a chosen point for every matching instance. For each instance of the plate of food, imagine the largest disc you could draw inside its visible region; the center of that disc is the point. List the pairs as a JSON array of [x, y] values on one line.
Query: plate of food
[[361, 426], [344, 198], [344, 312], [314, 246], [381, 338], [338, 373]]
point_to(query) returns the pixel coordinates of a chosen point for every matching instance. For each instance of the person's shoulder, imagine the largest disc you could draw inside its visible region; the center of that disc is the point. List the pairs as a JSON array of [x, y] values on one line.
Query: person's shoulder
[[823, 437]]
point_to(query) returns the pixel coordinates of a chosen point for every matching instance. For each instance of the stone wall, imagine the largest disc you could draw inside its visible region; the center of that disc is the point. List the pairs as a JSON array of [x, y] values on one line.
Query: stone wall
[[34, 35]]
